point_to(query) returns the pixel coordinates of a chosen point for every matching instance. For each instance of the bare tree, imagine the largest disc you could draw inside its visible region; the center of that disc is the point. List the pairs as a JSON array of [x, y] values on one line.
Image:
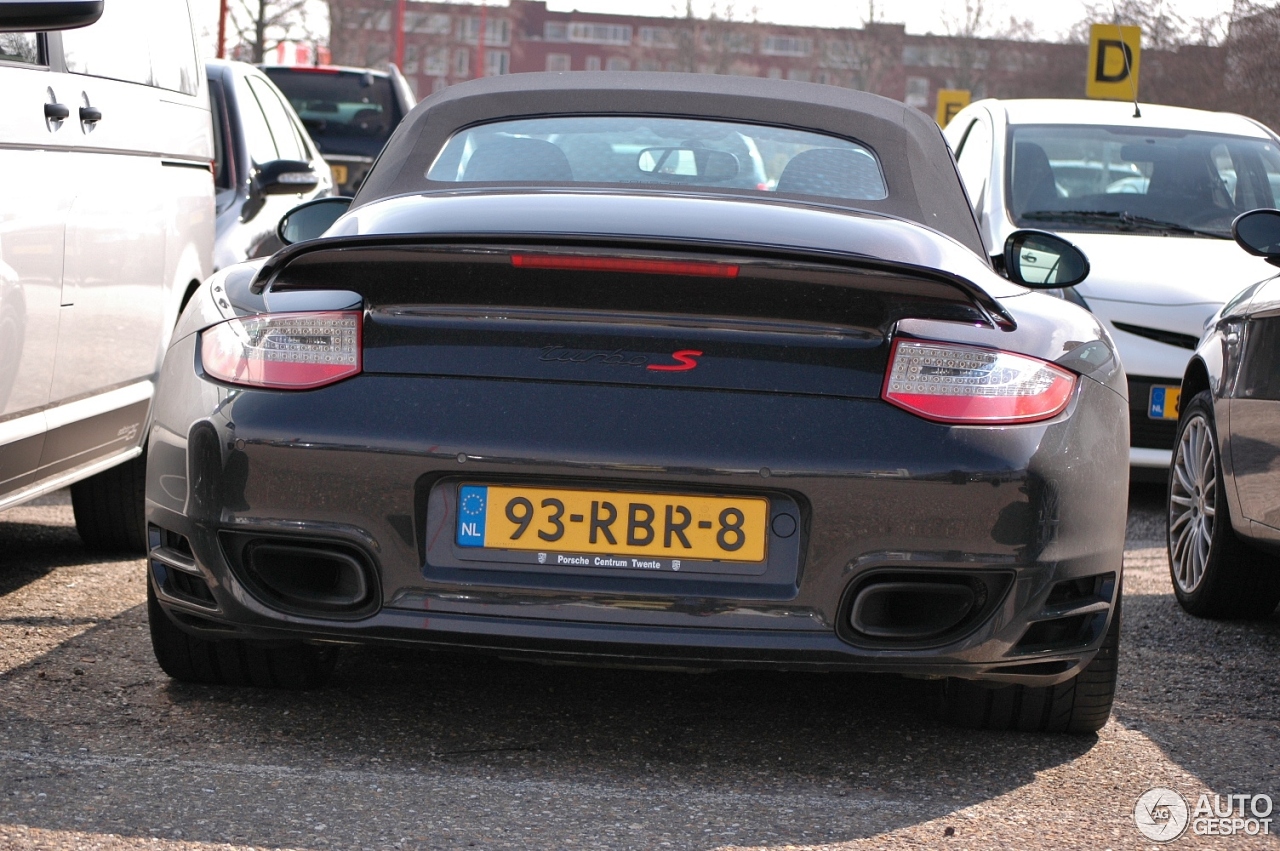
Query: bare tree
[[715, 43], [260, 25], [1252, 75], [1180, 63], [868, 57], [1162, 27], [976, 48]]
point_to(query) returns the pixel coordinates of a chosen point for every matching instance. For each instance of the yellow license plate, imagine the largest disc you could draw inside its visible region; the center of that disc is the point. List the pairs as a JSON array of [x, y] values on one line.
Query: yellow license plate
[[612, 523], [339, 174]]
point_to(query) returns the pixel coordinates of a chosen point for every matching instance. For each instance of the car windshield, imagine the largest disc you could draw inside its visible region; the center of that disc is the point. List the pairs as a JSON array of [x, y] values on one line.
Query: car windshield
[[333, 103], [1123, 178], [648, 151]]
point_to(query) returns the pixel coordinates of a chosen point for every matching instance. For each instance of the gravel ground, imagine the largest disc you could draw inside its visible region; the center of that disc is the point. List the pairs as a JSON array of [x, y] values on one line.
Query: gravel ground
[[424, 750]]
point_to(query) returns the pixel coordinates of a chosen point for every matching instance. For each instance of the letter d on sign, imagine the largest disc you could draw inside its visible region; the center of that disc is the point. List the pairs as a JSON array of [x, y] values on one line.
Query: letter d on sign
[[1114, 52]]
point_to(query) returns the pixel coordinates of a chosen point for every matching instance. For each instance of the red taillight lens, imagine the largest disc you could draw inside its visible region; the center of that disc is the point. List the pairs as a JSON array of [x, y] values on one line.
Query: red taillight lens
[[950, 383], [285, 351], [580, 263]]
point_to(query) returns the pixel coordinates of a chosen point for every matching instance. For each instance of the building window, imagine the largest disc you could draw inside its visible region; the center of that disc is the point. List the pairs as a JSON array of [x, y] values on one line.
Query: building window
[[775, 74], [436, 62], [410, 59], [918, 92], [555, 31], [840, 53], [618, 63], [497, 63], [439, 84], [593, 63], [497, 31], [433, 24], [648, 65], [599, 33], [786, 45], [462, 63], [731, 42], [559, 62], [800, 75], [657, 37]]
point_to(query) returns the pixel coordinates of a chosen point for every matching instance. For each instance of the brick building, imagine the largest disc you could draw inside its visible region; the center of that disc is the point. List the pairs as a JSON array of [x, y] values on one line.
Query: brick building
[[442, 47]]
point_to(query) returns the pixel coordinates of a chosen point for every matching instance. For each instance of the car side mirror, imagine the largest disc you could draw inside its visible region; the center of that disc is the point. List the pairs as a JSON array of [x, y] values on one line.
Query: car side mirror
[[310, 220], [48, 15], [286, 177], [1258, 232], [1043, 261]]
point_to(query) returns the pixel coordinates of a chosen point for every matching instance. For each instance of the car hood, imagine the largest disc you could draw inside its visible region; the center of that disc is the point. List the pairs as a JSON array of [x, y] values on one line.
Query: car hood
[[1165, 270]]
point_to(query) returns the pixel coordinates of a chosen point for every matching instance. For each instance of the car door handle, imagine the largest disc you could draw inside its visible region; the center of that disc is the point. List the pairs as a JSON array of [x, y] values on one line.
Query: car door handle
[[55, 111], [90, 114]]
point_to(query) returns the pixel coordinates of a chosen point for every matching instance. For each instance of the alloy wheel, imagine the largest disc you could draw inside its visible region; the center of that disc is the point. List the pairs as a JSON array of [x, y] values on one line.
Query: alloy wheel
[[1193, 490]]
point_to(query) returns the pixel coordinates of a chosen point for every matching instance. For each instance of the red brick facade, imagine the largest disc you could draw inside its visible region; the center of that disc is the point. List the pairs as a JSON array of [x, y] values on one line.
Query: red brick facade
[[441, 48]]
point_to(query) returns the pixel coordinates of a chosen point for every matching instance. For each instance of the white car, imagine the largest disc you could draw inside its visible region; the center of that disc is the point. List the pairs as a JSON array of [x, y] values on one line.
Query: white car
[[1150, 200], [106, 228]]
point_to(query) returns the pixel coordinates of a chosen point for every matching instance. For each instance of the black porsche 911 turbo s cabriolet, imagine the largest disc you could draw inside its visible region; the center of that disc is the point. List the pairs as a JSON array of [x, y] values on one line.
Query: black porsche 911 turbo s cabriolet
[[654, 370]]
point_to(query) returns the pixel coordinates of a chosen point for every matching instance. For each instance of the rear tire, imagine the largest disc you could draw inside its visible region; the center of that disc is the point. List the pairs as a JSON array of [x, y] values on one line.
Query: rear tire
[[1215, 573], [235, 661], [110, 508], [1080, 705]]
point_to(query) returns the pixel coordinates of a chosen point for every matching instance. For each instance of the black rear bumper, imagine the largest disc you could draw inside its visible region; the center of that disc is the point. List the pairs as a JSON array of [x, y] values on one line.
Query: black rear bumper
[[881, 494]]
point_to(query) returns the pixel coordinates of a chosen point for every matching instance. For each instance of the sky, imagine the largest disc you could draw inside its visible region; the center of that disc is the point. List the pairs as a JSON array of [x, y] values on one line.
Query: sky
[[1051, 19]]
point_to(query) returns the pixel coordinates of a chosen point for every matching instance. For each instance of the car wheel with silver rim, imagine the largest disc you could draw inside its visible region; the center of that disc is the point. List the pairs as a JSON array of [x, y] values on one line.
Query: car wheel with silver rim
[[1215, 574]]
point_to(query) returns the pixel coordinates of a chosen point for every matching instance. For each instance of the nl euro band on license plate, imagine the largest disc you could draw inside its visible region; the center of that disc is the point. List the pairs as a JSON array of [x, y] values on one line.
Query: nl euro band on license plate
[[572, 528]]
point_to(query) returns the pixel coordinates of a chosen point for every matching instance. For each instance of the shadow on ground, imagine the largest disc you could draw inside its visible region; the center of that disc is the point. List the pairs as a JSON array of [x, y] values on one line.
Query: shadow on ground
[[427, 746]]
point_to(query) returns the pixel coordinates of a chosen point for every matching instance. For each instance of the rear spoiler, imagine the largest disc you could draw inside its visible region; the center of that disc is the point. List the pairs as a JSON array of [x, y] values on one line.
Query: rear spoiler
[[273, 273]]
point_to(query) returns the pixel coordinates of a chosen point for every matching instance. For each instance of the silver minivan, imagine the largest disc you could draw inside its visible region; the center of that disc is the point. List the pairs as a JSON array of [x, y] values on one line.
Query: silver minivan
[[106, 227]]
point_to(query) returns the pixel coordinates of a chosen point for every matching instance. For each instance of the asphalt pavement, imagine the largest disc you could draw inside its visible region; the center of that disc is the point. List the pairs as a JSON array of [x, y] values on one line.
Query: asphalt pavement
[[410, 749]]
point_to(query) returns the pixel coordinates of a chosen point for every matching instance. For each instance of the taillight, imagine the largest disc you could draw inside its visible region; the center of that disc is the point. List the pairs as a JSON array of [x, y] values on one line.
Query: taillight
[[950, 383], [286, 351]]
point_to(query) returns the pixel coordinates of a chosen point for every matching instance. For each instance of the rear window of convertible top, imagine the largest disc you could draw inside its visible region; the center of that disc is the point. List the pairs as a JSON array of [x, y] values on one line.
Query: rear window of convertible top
[[649, 151]]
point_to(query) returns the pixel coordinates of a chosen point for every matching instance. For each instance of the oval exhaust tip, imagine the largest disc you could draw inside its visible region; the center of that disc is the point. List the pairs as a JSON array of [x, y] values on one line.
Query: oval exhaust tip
[[910, 610]]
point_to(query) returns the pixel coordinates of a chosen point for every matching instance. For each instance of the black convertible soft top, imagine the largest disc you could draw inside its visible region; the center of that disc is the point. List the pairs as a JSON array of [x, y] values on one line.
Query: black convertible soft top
[[922, 181]]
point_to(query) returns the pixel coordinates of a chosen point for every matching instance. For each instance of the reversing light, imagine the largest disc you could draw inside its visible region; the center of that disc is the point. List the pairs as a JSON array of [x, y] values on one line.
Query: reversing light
[[580, 263], [950, 383], [283, 351]]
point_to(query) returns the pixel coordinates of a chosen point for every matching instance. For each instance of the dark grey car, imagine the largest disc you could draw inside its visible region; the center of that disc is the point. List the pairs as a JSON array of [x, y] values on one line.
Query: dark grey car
[[350, 112], [265, 162], [1224, 487], [591, 400]]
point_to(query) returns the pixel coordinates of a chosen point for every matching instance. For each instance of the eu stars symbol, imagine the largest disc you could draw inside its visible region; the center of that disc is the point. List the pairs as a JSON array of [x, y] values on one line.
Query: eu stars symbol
[[473, 504]]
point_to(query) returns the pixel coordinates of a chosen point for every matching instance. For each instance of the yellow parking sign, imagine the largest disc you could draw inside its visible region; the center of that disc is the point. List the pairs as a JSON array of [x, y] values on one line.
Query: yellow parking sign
[[950, 101], [1114, 52]]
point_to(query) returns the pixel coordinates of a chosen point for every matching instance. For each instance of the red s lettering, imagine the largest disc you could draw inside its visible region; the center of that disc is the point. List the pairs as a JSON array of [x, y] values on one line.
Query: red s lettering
[[687, 361]]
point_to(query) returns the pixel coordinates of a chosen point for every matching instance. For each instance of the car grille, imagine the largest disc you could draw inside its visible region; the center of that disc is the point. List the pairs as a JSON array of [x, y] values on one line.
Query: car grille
[[1145, 432], [1169, 338]]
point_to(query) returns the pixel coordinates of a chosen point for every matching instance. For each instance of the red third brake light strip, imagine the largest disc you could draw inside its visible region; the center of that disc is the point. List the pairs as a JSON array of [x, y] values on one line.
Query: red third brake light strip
[[580, 263]]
